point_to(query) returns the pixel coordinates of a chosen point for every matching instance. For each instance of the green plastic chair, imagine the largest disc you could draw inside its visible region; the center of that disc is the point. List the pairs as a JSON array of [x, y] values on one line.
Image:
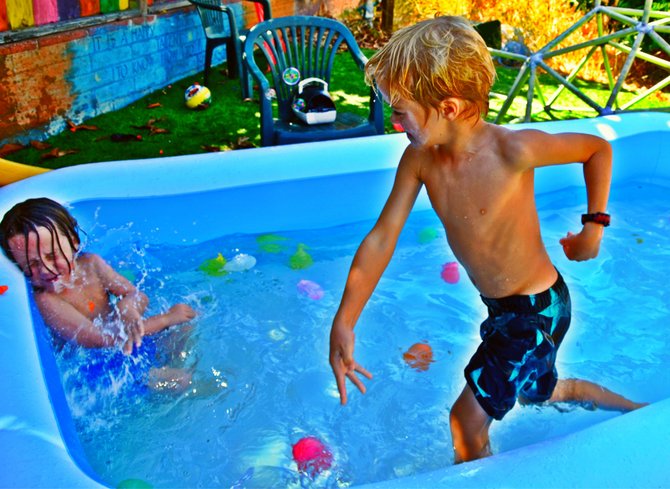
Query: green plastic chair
[[307, 44], [220, 25]]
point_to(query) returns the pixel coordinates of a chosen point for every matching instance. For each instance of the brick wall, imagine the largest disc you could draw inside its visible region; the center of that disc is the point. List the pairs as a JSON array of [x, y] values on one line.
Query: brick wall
[[78, 74]]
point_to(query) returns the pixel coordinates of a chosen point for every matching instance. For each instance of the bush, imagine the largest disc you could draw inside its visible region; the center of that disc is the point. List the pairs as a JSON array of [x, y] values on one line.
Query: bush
[[536, 23]]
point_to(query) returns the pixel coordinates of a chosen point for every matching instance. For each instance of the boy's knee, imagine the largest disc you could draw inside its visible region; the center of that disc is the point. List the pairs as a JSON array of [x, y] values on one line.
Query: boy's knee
[[566, 390]]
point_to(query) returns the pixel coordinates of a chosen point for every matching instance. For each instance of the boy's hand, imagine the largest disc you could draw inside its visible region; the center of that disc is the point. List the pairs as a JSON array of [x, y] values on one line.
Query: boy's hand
[[342, 362], [182, 313], [134, 329], [585, 245]]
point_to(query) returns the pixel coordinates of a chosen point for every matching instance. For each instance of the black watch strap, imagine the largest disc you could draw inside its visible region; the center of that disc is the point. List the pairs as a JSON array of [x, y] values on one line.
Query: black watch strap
[[597, 217]]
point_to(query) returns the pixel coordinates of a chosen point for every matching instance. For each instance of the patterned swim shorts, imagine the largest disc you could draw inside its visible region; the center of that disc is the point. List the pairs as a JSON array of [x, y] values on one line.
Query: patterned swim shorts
[[517, 356]]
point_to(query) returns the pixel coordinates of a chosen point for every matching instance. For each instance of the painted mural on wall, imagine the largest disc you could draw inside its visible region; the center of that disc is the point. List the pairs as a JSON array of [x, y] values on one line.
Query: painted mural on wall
[[19, 14], [77, 75]]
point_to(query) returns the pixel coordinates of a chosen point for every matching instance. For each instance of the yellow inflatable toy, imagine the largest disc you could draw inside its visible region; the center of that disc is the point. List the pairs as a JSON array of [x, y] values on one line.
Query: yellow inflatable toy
[[10, 172]]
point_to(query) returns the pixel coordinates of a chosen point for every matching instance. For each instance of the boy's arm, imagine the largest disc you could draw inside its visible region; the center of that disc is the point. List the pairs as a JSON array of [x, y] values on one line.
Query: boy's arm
[[369, 263], [542, 149], [71, 324], [131, 304]]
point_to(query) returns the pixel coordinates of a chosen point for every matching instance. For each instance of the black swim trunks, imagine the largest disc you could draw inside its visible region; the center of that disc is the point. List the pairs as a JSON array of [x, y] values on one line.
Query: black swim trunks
[[520, 339]]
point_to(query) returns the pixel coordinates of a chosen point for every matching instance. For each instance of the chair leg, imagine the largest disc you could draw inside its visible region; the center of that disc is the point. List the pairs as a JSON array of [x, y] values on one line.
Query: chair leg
[[232, 58], [245, 76], [245, 80], [208, 61]]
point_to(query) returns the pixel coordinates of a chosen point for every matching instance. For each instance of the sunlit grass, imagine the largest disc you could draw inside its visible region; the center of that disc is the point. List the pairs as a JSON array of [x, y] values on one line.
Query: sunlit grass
[[567, 105]]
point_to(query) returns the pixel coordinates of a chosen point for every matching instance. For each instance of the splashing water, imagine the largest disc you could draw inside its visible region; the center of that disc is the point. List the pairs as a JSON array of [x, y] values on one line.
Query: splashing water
[[258, 351]]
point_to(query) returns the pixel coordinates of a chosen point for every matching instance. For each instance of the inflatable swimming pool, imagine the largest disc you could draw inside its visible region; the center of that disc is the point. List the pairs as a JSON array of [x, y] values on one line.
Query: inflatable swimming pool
[[38, 447]]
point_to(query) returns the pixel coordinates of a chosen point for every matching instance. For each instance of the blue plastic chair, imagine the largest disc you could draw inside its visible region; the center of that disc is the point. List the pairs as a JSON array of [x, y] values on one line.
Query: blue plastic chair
[[220, 25], [308, 44]]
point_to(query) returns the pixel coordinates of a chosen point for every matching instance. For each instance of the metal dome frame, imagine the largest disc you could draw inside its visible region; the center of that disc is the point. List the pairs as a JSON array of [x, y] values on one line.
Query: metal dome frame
[[635, 23]]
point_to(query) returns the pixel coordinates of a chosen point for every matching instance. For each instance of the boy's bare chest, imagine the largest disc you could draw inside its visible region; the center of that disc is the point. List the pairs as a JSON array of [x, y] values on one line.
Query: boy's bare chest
[[87, 295], [463, 194]]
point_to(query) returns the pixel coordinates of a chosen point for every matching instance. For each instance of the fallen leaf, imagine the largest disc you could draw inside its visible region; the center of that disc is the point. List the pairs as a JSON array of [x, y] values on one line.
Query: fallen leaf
[[10, 148], [81, 127], [58, 153], [39, 145], [150, 125], [242, 143], [154, 106], [211, 148]]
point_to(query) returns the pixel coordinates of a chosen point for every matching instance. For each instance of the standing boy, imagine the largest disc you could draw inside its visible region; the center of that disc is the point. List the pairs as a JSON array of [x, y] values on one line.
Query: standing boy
[[436, 75]]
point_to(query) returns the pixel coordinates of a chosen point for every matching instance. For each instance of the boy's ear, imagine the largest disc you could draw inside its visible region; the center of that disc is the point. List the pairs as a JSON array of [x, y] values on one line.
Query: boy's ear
[[451, 108]]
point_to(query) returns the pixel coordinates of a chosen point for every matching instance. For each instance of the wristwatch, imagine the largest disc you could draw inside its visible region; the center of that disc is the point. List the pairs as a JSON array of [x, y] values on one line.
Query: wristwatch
[[597, 217]]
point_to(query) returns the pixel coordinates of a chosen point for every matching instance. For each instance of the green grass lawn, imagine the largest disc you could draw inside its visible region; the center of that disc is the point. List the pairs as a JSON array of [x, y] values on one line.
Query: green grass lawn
[[167, 128]]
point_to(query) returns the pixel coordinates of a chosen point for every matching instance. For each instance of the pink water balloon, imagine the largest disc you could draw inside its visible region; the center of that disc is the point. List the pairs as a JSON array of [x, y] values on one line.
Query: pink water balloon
[[311, 455], [450, 273]]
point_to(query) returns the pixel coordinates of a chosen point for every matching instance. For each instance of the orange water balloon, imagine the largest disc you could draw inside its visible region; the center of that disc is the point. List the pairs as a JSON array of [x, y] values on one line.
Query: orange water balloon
[[419, 356]]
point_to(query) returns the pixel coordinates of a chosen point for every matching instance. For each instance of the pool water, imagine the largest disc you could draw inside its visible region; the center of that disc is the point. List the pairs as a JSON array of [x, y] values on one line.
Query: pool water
[[259, 348]]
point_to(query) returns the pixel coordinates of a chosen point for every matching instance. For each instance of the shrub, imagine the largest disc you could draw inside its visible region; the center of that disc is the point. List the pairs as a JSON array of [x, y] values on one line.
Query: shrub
[[535, 23]]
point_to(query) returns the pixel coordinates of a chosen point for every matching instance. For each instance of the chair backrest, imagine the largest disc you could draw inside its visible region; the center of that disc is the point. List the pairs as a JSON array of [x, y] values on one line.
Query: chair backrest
[[216, 14], [303, 43]]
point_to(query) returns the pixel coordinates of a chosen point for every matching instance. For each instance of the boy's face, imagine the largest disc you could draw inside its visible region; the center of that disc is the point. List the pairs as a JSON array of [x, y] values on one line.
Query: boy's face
[[423, 127], [42, 260]]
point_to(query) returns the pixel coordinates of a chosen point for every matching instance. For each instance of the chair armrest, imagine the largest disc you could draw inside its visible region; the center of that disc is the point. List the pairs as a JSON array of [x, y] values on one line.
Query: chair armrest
[[266, 118], [234, 30], [266, 115], [376, 111], [359, 57]]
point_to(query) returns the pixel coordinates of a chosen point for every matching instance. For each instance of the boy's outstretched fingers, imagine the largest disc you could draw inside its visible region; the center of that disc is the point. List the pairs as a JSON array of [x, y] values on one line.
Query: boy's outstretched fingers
[[342, 360], [354, 378], [342, 371]]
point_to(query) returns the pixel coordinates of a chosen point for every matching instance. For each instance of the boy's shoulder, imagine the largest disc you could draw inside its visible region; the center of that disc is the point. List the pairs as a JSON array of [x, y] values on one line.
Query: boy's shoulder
[[89, 257], [90, 261], [512, 145]]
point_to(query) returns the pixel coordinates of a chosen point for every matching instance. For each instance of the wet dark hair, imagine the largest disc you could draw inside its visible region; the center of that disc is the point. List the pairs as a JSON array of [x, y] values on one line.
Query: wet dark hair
[[26, 217]]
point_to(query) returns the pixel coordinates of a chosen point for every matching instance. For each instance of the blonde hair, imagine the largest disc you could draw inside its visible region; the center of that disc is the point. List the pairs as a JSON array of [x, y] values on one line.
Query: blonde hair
[[432, 60]]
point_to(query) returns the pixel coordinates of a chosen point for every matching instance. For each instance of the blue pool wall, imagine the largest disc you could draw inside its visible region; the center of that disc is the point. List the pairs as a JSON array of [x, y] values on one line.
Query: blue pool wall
[[297, 187]]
